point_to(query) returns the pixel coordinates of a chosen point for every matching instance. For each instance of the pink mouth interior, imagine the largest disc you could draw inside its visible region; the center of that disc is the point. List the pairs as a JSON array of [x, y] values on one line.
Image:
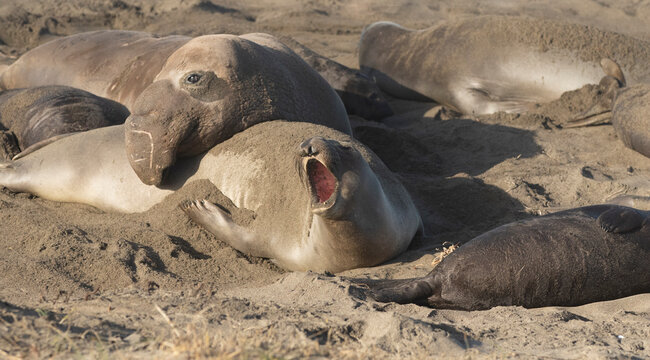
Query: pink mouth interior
[[321, 179]]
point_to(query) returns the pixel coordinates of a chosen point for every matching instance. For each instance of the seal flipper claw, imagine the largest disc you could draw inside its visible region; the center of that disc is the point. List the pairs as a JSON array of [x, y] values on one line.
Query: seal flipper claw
[[620, 220], [219, 223]]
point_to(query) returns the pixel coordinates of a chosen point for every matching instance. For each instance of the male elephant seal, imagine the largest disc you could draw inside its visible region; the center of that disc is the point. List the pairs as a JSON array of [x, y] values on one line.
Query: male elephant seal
[[569, 258], [185, 94], [488, 64], [322, 201], [36, 115]]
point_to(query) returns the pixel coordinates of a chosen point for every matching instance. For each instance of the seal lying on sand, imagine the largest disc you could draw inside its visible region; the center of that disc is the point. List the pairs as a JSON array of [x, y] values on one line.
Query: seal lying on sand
[[630, 117], [569, 258], [41, 114], [488, 64], [360, 94], [323, 204], [185, 94]]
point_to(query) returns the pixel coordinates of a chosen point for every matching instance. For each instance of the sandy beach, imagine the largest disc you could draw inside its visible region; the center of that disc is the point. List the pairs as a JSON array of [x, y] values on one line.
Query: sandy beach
[[79, 282]]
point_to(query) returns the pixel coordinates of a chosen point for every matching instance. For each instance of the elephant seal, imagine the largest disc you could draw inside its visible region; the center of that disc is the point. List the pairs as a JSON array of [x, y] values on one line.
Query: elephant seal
[[37, 115], [630, 117], [569, 258], [185, 94], [360, 94], [321, 200], [494, 63]]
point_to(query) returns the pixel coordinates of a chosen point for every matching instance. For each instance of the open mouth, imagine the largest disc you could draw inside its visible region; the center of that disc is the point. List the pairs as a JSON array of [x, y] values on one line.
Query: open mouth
[[322, 181]]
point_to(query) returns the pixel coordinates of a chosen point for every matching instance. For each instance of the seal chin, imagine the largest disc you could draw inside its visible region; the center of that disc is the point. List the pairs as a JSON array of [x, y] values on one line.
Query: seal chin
[[323, 185]]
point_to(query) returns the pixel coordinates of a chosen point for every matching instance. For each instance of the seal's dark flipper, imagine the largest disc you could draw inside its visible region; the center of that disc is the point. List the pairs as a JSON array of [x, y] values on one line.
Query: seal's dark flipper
[[401, 291], [41, 144], [620, 220], [219, 223]]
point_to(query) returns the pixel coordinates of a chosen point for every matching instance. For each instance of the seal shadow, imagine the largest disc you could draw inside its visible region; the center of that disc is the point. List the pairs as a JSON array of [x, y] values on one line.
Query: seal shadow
[[439, 159]]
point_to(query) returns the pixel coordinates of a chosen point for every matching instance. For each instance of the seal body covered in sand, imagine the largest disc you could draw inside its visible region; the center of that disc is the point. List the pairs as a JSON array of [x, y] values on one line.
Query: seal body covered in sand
[[185, 94], [488, 64], [45, 112], [321, 200], [569, 258]]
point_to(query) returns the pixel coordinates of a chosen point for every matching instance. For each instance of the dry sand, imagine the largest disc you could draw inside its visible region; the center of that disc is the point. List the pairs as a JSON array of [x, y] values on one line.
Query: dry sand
[[77, 281]]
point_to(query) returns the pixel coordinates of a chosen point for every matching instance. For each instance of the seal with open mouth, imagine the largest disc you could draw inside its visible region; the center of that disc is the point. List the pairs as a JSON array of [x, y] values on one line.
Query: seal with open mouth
[[321, 200]]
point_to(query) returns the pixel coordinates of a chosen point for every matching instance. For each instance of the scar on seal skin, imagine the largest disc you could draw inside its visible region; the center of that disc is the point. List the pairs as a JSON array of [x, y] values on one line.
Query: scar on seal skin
[[569, 258]]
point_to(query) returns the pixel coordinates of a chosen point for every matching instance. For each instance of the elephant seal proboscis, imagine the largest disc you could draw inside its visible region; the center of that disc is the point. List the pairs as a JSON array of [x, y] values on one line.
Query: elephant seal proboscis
[[41, 114], [495, 63], [322, 200], [569, 258], [185, 94]]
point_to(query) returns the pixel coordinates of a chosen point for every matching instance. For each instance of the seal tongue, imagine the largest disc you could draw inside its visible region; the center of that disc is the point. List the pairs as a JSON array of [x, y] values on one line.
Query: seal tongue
[[321, 180]]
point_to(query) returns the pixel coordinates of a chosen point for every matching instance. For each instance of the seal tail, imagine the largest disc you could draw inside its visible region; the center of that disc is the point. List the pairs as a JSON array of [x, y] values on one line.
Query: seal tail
[[403, 291], [601, 111]]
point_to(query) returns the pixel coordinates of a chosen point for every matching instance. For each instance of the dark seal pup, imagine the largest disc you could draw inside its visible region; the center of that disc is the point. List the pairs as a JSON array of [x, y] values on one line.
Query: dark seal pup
[[39, 114], [569, 258]]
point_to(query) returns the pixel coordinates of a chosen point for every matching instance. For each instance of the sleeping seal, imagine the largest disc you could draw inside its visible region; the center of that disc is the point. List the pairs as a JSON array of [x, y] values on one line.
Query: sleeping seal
[[185, 94], [322, 201], [488, 64], [569, 258], [40, 114]]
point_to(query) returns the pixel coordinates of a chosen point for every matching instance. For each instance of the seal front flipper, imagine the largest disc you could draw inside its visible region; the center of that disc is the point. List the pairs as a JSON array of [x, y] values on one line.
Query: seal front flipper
[[601, 111], [621, 220], [220, 223]]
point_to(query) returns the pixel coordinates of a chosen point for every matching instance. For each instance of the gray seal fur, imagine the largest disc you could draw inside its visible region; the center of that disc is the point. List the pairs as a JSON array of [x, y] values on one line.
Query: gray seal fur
[[569, 258], [37, 114]]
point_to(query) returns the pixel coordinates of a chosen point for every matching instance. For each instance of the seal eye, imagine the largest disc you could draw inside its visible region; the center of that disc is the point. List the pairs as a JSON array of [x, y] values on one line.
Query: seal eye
[[193, 78]]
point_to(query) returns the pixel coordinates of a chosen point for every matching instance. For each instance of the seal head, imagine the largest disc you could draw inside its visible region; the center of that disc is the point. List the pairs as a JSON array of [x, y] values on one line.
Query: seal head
[[202, 96]]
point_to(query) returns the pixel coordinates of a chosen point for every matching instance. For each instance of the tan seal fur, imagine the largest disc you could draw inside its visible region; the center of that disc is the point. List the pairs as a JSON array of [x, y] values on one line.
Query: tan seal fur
[[322, 200], [185, 94], [487, 64]]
